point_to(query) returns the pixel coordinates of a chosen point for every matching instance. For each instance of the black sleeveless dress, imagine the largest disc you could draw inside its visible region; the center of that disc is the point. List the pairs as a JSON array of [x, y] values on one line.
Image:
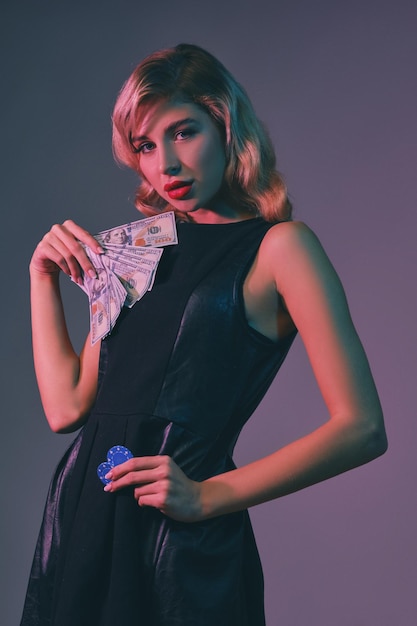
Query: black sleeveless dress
[[180, 375]]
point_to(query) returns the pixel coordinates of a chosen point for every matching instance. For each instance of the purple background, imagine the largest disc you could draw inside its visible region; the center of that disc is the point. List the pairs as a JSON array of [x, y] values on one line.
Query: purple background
[[335, 82]]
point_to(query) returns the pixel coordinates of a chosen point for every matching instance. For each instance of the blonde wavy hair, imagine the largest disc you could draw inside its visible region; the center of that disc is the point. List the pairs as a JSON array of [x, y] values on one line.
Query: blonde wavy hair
[[187, 73]]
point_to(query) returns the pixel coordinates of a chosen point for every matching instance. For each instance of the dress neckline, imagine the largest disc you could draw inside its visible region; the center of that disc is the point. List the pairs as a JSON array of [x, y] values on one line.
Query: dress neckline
[[223, 224]]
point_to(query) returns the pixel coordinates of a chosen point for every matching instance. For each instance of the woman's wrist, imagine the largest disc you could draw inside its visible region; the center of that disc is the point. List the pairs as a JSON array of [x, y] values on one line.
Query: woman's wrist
[[36, 273], [216, 498]]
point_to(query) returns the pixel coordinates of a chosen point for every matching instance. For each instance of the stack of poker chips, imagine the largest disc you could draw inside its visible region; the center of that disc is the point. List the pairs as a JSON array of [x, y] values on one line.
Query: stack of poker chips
[[115, 456]]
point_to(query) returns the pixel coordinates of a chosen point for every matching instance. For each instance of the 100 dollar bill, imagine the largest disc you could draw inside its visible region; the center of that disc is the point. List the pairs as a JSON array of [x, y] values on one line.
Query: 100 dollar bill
[[126, 270], [154, 231]]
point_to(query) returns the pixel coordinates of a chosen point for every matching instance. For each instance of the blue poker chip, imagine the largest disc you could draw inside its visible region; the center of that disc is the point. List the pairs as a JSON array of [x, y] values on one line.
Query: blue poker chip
[[115, 456], [102, 470], [118, 454]]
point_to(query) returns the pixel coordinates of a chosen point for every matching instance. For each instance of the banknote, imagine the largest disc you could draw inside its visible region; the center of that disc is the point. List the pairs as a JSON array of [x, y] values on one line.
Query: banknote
[[156, 231], [134, 260], [99, 304], [136, 280], [126, 270]]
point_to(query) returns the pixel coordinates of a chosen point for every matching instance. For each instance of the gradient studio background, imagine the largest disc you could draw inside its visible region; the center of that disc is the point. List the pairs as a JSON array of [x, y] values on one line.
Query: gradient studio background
[[335, 82]]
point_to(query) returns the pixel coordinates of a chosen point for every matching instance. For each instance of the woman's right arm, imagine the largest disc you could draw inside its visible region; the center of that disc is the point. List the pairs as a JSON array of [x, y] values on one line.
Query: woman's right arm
[[67, 382]]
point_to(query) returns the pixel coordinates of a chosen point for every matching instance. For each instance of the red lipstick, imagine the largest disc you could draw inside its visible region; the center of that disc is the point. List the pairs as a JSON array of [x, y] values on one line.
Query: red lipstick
[[178, 189]]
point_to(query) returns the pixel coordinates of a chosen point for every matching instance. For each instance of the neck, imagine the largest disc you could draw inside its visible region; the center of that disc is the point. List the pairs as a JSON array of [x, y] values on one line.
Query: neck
[[220, 213]]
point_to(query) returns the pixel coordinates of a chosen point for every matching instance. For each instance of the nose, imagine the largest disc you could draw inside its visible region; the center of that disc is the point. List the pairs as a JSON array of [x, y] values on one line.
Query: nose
[[169, 162]]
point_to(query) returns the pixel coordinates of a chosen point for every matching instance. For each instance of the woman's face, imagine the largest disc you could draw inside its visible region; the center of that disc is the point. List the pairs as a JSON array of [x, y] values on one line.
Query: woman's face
[[181, 155]]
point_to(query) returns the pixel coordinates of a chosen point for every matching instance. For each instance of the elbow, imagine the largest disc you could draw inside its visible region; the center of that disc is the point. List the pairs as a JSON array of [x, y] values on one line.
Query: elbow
[[374, 441], [61, 429], [67, 413], [65, 428], [65, 422]]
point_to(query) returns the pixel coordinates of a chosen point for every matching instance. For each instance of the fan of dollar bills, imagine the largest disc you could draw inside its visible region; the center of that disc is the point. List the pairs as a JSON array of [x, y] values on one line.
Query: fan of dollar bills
[[126, 270]]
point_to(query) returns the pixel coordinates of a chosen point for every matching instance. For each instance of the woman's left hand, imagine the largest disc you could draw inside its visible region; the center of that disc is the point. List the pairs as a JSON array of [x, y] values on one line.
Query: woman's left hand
[[159, 482]]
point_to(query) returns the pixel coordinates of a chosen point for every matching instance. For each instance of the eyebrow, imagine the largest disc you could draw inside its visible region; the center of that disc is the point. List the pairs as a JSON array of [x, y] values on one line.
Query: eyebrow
[[169, 129]]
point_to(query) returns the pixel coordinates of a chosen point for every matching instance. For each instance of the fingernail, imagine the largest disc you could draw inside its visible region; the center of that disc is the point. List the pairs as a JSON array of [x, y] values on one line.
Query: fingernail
[[107, 487], [80, 281], [92, 273], [100, 250], [109, 475]]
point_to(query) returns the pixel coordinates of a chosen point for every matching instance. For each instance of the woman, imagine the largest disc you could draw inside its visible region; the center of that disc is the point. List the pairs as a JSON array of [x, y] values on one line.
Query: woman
[[169, 540]]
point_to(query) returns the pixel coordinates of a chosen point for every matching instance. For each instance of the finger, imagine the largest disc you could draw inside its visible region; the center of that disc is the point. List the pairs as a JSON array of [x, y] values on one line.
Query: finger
[[72, 248], [138, 464], [47, 260], [151, 488], [83, 235], [54, 248], [71, 252], [132, 479], [158, 495], [152, 500]]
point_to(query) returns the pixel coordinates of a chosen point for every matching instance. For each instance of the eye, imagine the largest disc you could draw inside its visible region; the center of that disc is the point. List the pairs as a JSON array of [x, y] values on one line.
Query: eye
[[185, 133], [143, 148]]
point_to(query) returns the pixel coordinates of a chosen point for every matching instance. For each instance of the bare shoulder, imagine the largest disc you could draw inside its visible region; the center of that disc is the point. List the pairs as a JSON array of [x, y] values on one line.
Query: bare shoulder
[[291, 253], [288, 237]]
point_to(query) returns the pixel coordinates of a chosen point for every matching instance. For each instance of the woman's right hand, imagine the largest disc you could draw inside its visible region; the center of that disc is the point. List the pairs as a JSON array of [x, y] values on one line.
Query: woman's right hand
[[61, 250]]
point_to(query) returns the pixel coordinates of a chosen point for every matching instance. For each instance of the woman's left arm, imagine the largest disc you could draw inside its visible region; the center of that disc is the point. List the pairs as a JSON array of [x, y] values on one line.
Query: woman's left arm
[[292, 259], [355, 433]]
